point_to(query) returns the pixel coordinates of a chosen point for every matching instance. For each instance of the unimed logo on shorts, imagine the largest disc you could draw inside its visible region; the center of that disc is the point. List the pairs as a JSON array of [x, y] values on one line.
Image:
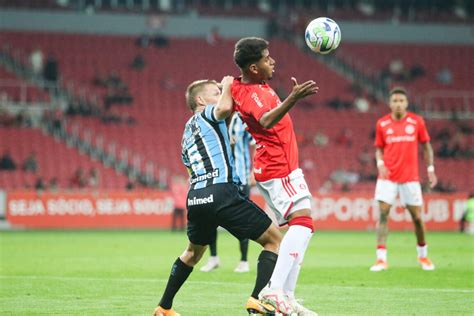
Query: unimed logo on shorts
[[199, 201]]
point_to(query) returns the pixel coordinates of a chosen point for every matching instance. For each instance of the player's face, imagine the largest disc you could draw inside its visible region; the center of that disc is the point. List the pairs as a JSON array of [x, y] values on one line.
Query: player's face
[[266, 65], [210, 94], [398, 104]]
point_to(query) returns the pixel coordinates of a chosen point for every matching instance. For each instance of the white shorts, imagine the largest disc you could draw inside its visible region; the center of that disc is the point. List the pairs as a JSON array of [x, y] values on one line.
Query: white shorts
[[410, 192], [286, 195]]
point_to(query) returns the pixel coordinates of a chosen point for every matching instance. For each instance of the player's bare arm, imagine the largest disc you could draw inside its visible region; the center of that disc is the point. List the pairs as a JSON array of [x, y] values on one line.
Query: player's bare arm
[[223, 109], [429, 158], [300, 91], [383, 172]]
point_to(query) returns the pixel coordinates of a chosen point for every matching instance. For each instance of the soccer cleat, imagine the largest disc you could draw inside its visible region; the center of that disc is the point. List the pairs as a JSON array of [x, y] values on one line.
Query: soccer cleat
[[160, 311], [380, 265], [426, 264], [212, 263], [277, 299], [242, 267], [256, 307], [299, 309]]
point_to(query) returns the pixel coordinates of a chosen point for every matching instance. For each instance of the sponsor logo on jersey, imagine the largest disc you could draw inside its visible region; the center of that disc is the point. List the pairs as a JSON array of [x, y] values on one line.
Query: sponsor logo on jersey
[[389, 131], [210, 175], [409, 129], [255, 97], [400, 139], [200, 201]]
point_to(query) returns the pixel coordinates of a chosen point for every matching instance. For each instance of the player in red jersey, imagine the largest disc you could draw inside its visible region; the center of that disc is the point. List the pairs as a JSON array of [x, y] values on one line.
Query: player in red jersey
[[396, 141], [276, 164]]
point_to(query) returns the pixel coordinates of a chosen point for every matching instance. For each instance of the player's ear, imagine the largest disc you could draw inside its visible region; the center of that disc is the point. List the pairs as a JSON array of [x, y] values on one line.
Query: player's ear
[[200, 100], [253, 69]]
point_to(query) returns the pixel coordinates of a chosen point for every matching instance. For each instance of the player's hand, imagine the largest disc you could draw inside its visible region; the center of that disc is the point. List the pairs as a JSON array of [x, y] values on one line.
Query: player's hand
[[226, 82], [303, 90], [383, 172], [432, 179]]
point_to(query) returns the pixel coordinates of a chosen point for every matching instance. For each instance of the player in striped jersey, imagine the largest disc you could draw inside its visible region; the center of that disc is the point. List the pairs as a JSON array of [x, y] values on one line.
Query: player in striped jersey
[[214, 198], [243, 147]]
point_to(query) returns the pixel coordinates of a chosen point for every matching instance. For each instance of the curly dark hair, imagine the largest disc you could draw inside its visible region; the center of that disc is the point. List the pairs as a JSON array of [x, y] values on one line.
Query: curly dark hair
[[248, 50]]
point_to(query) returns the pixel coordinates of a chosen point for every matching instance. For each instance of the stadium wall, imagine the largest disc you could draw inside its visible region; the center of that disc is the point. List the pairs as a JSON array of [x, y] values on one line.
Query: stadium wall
[[199, 26], [349, 211]]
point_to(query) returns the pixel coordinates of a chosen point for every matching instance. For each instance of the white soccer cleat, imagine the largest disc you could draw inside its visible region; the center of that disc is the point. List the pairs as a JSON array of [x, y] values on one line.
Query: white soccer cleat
[[426, 264], [212, 263], [380, 265], [299, 309], [242, 267], [277, 299]]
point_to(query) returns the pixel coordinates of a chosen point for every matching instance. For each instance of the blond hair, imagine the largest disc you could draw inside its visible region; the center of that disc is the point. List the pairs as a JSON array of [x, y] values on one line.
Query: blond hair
[[194, 89]]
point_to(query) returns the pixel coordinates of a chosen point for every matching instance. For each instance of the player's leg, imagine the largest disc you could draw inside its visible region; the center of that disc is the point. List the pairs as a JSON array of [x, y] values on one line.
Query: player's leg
[[421, 247], [244, 219], [270, 241], [243, 265], [201, 228], [291, 202], [303, 228], [181, 269], [174, 219], [411, 196], [385, 193], [213, 262]]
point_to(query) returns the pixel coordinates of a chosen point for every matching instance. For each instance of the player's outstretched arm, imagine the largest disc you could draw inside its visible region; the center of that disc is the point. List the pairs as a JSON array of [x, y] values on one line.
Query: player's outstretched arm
[[300, 91], [224, 106], [429, 158]]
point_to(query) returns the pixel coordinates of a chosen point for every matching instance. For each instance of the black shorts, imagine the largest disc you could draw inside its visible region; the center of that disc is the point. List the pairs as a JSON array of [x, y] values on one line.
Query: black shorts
[[223, 205]]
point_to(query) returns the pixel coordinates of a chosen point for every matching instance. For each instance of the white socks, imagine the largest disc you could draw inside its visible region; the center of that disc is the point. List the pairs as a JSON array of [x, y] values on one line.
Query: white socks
[[422, 251], [290, 256], [382, 254]]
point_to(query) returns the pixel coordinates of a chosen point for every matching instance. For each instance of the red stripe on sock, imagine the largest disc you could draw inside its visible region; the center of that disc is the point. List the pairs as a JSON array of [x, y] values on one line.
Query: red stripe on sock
[[305, 221], [381, 247], [422, 244]]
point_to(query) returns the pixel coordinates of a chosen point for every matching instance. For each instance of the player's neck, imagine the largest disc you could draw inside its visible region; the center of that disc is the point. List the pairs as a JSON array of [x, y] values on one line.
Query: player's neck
[[398, 117], [251, 80]]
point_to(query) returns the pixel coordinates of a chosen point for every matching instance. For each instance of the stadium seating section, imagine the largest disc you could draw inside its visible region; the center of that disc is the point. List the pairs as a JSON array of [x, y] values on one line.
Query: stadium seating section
[[55, 160], [160, 111]]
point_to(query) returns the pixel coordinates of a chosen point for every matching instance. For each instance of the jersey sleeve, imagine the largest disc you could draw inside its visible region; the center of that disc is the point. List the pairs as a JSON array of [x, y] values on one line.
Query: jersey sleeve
[[379, 139], [256, 104], [208, 113], [185, 159], [423, 136]]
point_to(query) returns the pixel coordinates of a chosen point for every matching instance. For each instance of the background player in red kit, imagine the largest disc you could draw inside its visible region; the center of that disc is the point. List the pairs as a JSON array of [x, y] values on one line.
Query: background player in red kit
[[276, 164], [396, 142]]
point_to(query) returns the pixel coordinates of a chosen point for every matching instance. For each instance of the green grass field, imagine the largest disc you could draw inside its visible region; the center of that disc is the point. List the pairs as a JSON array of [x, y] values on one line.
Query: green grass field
[[124, 273]]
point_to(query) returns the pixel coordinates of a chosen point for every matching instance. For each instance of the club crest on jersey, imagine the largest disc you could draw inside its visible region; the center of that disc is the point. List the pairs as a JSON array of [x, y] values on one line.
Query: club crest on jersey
[[409, 129]]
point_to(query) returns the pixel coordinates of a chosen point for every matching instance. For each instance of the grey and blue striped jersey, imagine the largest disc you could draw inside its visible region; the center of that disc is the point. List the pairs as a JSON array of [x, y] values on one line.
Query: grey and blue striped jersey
[[206, 150], [241, 149]]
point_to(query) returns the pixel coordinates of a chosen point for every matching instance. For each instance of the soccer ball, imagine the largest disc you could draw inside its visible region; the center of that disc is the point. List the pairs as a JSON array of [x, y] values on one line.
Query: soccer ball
[[322, 35]]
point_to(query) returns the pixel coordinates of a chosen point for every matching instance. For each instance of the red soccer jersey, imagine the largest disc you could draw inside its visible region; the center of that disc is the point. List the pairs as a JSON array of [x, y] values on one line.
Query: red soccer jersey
[[399, 141], [277, 151]]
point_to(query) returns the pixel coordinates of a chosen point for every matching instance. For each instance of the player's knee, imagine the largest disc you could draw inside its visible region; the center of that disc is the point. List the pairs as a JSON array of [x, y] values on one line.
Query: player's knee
[[305, 221], [417, 218], [191, 256], [271, 239], [383, 216]]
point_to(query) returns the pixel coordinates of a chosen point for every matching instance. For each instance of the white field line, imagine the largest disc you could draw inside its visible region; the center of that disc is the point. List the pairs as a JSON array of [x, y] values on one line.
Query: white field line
[[147, 280]]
